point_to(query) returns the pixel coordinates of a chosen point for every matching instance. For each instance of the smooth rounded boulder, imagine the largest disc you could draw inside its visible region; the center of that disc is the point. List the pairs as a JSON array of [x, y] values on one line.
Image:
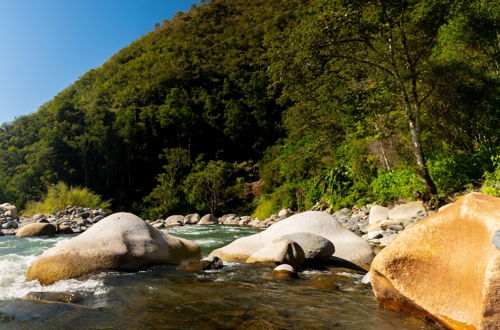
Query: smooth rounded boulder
[[314, 246], [174, 221], [446, 267], [348, 245], [121, 241], [208, 219], [280, 252], [37, 229]]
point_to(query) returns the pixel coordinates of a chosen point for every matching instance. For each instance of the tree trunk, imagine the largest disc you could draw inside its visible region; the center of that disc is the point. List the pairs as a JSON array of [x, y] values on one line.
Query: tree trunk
[[418, 153]]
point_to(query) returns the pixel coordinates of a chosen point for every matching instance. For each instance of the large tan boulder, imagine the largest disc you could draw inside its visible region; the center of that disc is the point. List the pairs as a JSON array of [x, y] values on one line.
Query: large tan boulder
[[347, 245], [121, 241], [37, 229], [446, 267]]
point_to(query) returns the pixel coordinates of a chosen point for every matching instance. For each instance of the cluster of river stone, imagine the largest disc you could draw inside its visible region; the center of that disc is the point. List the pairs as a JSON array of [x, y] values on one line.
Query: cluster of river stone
[[378, 225], [71, 220]]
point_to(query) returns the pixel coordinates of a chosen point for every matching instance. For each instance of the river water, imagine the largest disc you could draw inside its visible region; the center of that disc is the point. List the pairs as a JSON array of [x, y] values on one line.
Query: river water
[[239, 296]]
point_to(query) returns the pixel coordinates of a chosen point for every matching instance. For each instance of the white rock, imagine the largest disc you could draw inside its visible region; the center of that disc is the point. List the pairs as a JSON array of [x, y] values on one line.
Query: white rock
[[284, 270], [375, 234], [284, 213], [406, 212], [377, 214], [366, 279]]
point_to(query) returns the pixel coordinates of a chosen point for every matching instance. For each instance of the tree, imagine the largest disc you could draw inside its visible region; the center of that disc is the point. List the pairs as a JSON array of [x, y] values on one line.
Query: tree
[[166, 195], [391, 40], [208, 186]]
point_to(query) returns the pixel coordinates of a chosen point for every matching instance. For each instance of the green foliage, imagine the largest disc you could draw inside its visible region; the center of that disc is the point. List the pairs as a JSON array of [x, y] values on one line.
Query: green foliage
[[60, 196], [454, 172], [265, 208], [491, 185], [320, 95], [401, 183], [211, 187], [167, 195]]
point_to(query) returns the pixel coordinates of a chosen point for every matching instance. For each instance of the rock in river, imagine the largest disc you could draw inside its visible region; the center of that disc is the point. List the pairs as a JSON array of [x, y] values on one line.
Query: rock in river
[[280, 252], [121, 241], [314, 246], [37, 229], [347, 245], [285, 270], [446, 267]]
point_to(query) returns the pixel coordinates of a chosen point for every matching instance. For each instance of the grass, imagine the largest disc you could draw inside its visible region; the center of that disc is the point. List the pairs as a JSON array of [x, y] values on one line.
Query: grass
[[265, 208], [60, 196]]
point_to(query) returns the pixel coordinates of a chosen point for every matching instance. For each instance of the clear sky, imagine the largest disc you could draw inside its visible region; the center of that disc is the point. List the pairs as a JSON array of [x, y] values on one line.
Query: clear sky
[[45, 45]]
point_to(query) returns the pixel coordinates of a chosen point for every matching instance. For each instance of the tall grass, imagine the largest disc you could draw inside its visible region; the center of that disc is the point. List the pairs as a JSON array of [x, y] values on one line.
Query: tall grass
[[60, 196], [265, 208]]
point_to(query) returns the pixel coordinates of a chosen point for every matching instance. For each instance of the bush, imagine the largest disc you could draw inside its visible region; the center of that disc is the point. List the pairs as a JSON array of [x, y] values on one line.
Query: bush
[[452, 173], [491, 185], [401, 183], [60, 196]]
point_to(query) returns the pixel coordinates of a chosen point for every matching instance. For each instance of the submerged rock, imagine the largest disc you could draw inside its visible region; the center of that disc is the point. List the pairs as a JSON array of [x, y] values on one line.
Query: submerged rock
[[285, 270], [347, 245], [64, 297], [121, 241], [204, 264], [446, 267], [37, 229]]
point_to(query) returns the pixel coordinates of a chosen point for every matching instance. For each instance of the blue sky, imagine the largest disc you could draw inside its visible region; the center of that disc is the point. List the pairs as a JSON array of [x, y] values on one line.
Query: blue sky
[[45, 45]]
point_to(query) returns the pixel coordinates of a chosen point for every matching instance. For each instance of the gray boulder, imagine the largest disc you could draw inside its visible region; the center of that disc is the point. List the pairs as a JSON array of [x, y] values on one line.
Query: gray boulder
[[314, 246], [208, 219], [192, 219], [174, 221], [280, 252]]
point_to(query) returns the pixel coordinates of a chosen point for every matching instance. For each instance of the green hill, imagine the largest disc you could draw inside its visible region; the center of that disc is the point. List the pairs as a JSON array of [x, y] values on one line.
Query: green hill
[[301, 101]]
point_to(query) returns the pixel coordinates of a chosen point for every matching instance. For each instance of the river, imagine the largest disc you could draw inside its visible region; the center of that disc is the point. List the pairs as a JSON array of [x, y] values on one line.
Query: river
[[239, 296]]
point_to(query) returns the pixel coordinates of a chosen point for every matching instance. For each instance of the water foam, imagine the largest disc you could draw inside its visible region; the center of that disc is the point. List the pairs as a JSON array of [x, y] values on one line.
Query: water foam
[[13, 267]]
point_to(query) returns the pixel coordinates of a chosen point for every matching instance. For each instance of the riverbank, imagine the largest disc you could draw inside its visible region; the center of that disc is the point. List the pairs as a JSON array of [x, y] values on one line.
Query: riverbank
[[376, 224]]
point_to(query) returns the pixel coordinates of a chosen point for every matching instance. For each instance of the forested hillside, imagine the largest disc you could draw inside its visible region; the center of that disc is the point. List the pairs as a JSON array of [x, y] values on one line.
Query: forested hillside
[[244, 103]]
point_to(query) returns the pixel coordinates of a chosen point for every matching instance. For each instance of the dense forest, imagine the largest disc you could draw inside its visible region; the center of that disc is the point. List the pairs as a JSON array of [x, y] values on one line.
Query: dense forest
[[240, 105]]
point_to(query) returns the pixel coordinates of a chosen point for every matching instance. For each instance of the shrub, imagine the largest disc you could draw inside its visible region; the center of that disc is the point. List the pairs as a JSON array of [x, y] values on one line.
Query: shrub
[[491, 185], [401, 183], [60, 196]]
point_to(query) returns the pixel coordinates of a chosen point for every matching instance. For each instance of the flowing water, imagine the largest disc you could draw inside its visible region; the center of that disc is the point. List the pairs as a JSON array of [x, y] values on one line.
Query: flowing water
[[239, 296]]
